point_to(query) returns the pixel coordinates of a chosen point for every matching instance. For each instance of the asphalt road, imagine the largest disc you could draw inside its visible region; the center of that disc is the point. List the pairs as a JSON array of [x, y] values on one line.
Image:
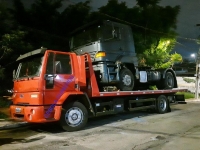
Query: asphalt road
[[177, 130]]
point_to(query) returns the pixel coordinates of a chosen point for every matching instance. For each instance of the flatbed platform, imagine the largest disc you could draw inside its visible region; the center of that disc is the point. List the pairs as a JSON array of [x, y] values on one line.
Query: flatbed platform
[[142, 92]]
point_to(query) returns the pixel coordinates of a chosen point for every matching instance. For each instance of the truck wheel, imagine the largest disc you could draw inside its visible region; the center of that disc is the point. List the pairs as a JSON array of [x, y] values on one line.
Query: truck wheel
[[169, 81], [162, 104], [127, 80], [74, 117]]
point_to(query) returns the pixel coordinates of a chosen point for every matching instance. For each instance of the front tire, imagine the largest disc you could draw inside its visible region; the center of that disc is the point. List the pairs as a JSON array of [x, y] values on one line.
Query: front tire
[[127, 80], [74, 117]]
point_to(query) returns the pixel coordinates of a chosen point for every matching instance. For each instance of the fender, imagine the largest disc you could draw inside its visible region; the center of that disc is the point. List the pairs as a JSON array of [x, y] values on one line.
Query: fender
[[71, 96], [128, 59], [164, 71]]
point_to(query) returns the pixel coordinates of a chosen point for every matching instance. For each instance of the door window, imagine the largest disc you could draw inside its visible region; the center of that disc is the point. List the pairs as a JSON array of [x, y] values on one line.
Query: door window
[[62, 64]]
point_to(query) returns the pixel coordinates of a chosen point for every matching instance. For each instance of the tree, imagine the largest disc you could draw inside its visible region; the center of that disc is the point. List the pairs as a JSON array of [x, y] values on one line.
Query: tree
[[151, 31], [115, 9], [44, 15], [73, 17], [19, 13], [4, 27], [12, 43], [42, 24], [159, 56]]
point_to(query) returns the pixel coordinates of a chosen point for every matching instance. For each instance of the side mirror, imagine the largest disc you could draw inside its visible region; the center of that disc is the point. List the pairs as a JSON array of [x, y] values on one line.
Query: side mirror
[[49, 80], [13, 74], [10, 91], [49, 76]]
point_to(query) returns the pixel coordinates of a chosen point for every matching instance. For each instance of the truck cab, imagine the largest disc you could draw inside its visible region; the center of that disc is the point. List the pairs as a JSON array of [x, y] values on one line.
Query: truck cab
[[112, 49], [38, 81]]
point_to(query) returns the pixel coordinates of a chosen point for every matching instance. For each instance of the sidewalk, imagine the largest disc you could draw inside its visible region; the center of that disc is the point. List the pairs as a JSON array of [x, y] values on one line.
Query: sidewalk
[[192, 100], [8, 123]]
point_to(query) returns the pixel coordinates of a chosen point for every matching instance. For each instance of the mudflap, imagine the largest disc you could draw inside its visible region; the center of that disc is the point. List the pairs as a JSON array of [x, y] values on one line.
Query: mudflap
[[169, 108], [180, 99]]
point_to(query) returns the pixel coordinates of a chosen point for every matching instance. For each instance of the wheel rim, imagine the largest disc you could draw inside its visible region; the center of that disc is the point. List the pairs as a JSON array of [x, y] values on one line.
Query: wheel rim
[[127, 80], [163, 104], [74, 116], [169, 81]]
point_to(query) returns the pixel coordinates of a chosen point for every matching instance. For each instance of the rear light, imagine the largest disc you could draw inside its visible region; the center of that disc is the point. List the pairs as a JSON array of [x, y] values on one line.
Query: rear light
[[100, 54]]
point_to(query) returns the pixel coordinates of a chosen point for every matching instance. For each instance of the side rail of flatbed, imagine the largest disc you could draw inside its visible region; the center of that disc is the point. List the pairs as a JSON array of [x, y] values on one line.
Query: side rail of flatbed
[[120, 101], [142, 92]]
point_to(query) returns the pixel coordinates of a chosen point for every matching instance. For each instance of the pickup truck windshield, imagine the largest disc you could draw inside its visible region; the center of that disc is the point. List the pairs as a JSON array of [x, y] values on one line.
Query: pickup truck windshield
[[31, 67]]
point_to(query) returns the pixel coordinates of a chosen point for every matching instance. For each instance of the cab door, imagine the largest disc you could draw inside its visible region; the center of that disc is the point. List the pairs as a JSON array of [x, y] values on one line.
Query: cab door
[[58, 74]]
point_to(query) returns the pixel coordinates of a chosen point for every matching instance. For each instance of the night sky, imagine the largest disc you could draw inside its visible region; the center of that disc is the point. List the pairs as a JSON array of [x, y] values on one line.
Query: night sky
[[188, 17]]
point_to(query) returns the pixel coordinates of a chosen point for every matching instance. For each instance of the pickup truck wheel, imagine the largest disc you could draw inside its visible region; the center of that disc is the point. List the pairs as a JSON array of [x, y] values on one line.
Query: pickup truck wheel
[[162, 104], [74, 117], [169, 81], [127, 80]]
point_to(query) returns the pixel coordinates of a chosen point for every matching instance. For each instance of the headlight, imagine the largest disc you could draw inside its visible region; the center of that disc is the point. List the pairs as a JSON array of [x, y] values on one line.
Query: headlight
[[100, 54]]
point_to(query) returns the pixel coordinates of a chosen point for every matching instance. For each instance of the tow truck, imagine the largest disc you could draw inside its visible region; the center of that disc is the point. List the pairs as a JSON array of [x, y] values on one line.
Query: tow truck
[[39, 82]]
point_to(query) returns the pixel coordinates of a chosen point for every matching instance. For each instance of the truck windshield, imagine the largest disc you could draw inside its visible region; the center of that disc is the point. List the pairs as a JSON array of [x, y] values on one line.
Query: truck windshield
[[30, 67], [86, 36], [104, 32]]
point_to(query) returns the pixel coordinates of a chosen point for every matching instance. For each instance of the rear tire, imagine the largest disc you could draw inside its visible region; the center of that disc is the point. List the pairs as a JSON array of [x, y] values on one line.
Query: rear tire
[[74, 117], [162, 104], [169, 81], [127, 80]]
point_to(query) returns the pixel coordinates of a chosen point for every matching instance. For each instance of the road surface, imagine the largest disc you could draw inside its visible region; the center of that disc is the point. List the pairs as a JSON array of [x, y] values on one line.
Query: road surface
[[177, 130]]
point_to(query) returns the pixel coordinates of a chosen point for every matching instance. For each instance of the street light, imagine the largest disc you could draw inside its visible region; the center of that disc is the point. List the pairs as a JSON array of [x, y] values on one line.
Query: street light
[[197, 76], [192, 55], [197, 72]]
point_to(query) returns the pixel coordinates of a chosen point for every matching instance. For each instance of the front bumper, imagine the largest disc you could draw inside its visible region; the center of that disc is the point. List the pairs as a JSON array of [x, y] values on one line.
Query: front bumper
[[35, 114]]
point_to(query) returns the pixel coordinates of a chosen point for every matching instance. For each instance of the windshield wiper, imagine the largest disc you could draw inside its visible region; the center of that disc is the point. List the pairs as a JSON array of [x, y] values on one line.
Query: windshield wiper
[[26, 76]]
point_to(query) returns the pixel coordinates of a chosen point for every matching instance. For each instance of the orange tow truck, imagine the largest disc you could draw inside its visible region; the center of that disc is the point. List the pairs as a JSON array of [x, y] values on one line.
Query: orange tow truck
[[51, 85]]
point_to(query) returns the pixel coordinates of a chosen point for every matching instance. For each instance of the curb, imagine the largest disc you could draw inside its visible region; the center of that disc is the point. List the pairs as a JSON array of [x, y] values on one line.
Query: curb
[[14, 126], [192, 100]]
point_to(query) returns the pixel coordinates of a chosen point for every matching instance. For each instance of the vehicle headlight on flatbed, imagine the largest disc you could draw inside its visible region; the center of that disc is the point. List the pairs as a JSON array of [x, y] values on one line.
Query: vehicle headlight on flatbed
[[100, 54]]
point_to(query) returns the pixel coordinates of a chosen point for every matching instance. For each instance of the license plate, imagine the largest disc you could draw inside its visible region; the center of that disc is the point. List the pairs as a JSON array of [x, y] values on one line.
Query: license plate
[[18, 110]]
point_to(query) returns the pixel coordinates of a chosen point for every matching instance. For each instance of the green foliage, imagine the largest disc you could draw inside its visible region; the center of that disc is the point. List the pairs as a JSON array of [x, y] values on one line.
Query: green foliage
[[11, 42], [153, 87], [188, 80], [3, 116], [187, 95], [4, 103], [2, 75], [158, 56]]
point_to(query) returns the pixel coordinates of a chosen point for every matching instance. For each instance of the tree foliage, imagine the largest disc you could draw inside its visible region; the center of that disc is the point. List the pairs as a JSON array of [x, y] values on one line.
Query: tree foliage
[[46, 23]]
